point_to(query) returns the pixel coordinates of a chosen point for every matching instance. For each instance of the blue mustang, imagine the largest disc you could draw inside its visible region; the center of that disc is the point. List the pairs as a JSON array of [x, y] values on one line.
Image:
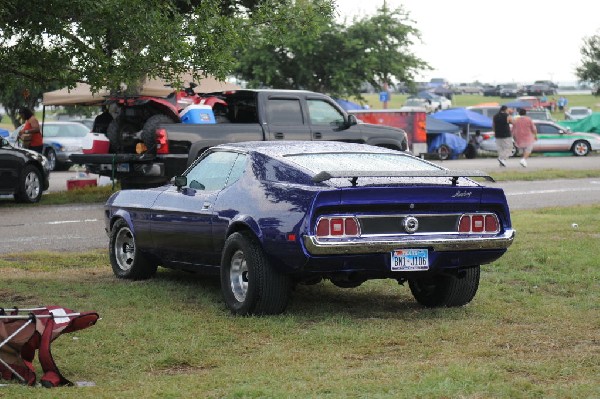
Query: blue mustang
[[268, 215]]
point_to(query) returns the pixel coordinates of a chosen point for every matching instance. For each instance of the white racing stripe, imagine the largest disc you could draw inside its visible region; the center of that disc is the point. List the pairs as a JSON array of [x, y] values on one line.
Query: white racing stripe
[[72, 221]]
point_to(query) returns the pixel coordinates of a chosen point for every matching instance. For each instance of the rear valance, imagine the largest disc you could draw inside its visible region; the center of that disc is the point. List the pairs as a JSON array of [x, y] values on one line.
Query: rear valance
[[355, 174]]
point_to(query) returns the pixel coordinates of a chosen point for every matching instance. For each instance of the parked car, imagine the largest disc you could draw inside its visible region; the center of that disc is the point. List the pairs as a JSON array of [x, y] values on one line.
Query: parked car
[[464, 88], [491, 91], [23, 173], [420, 103], [61, 140], [488, 111], [437, 102], [541, 114], [541, 89], [269, 215], [511, 90], [576, 113], [86, 121], [553, 138]]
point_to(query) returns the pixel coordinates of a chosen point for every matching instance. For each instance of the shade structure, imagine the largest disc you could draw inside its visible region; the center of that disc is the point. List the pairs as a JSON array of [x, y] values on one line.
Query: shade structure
[[348, 105], [82, 93], [464, 118], [433, 126]]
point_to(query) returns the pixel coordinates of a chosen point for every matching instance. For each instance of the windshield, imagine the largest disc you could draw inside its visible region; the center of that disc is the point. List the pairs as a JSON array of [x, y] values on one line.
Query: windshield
[[66, 130], [373, 162], [579, 111]]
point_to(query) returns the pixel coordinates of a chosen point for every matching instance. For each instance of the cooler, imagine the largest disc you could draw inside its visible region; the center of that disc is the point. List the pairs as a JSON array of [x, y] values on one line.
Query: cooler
[[198, 113], [96, 143]]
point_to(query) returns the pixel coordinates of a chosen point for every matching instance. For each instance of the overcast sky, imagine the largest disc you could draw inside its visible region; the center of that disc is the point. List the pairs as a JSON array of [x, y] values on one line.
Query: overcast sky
[[495, 41]]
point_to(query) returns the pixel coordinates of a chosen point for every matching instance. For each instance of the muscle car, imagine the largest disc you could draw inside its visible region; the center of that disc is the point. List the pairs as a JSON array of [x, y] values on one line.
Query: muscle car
[[269, 215]]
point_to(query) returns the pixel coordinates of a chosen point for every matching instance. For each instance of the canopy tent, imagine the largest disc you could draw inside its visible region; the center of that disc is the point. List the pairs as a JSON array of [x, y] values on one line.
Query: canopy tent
[[82, 93], [464, 118], [590, 124], [433, 126], [348, 105]]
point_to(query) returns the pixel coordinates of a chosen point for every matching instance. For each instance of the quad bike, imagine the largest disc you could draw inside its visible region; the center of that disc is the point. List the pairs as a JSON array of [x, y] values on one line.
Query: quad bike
[[135, 118]]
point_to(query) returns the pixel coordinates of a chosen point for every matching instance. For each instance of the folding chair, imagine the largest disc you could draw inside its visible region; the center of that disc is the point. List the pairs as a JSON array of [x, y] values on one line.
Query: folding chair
[[23, 331]]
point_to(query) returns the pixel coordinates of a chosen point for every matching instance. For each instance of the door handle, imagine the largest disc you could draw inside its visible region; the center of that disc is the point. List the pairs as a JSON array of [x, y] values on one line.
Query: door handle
[[279, 136], [206, 206], [318, 136]]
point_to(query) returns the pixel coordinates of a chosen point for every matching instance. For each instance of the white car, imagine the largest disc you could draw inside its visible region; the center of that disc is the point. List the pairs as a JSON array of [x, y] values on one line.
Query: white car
[[576, 113]]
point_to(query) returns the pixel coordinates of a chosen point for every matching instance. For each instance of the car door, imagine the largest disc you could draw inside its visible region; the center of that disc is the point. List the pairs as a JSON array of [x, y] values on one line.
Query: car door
[[183, 218], [10, 165], [285, 118], [551, 138], [326, 121]]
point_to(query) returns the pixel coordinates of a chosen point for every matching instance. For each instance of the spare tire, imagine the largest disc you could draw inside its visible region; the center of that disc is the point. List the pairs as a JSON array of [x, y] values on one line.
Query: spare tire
[[149, 130], [120, 134]]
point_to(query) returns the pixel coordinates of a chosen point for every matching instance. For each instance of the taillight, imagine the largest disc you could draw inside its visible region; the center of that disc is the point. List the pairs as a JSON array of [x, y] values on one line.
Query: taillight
[[162, 142], [478, 223], [339, 226]]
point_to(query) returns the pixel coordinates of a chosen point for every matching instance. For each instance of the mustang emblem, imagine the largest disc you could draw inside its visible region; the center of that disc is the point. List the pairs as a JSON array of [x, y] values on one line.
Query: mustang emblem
[[410, 224], [462, 194]]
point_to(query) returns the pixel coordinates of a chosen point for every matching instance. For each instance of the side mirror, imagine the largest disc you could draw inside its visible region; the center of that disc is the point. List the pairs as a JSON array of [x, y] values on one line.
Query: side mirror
[[352, 120], [180, 181]]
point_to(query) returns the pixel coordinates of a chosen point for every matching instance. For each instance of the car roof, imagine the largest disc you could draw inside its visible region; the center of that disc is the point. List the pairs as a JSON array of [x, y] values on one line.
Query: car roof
[[278, 149]]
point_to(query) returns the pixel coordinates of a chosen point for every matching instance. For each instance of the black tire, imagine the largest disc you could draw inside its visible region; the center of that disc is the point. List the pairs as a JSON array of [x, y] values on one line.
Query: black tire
[[125, 258], [51, 156], [149, 130], [249, 283], [30, 187], [580, 148], [120, 135], [444, 152], [446, 290], [515, 151]]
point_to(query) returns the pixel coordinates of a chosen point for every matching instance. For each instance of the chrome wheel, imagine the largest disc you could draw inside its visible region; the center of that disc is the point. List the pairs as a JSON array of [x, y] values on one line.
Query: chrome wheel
[[32, 185], [581, 148], [51, 156], [238, 276], [124, 249]]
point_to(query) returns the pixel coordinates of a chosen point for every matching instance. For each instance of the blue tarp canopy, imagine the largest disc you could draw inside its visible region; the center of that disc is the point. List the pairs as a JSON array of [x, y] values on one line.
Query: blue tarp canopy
[[348, 105], [464, 117], [4, 133], [433, 125]]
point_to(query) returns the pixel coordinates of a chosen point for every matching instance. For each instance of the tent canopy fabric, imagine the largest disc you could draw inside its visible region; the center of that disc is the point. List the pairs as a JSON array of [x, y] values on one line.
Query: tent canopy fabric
[[348, 105], [589, 124], [82, 93], [456, 144], [464, 117], [433, 125]]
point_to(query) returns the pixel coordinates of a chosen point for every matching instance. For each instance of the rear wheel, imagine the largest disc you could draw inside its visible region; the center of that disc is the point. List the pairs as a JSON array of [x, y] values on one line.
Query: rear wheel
[[581, 148], [51, 156], [444, 152], [446, 290], [249, 283], [125, 258]]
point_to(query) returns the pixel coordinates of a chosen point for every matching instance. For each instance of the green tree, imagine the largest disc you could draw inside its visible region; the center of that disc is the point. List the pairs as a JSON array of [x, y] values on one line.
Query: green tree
[[337, 59], [589, 70], [117, 44]]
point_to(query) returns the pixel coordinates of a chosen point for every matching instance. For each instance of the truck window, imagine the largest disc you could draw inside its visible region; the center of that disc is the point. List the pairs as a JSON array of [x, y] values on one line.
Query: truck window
[[284, 112], [323, 113]]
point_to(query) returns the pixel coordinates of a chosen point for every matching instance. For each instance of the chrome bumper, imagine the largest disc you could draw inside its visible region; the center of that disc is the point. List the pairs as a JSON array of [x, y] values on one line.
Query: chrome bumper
[[445, 243]]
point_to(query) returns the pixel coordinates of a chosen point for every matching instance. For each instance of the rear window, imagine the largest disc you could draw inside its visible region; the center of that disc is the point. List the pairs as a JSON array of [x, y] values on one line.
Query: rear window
[[337, 162]]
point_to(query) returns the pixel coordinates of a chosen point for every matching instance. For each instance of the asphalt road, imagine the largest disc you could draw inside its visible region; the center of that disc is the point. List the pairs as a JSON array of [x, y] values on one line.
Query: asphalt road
[[81, 227]]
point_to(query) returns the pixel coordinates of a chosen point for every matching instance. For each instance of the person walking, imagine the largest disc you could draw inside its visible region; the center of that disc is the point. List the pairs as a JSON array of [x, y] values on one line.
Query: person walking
[[501, 126], [525, 134]]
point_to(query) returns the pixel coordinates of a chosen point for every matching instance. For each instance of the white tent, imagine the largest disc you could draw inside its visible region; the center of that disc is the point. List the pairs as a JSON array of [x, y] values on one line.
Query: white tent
[[82, 94]]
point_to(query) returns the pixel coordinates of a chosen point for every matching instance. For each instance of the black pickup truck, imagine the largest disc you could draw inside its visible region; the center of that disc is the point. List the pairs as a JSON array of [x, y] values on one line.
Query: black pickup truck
[[248, 115]]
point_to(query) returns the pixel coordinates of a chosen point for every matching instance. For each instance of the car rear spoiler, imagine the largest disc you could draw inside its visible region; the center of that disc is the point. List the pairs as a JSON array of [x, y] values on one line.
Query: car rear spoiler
[[354, 174]]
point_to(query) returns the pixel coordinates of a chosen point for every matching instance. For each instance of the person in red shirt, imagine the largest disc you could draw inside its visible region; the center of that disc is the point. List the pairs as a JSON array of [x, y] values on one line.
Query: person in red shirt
[[525, 134], [32, 127]]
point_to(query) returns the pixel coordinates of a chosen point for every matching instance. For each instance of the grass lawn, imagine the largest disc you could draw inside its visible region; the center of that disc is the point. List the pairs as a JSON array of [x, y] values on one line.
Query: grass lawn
[[532, 330]]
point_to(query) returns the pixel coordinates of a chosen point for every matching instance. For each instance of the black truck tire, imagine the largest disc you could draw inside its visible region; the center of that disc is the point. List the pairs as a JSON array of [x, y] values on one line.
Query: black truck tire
[[149, 130], [118, 134]]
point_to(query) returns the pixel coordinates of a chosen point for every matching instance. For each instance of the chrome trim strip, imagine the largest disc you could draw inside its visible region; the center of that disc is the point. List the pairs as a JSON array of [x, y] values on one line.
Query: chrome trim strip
[[445, 243]]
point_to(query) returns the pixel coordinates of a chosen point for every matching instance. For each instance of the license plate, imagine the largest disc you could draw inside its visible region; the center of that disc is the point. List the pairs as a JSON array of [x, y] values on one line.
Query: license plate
[[122, 167], [410, 260]]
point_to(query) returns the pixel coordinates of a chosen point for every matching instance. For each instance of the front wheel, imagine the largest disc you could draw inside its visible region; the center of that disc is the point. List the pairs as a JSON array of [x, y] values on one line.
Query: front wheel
[[249, 283], [581, 148], [444, 152], [125, 258], [446, 290], [29, 189], [51, 156]]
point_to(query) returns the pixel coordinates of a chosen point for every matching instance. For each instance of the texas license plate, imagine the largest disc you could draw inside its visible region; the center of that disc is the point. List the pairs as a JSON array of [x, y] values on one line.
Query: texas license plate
[[410, 260]]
